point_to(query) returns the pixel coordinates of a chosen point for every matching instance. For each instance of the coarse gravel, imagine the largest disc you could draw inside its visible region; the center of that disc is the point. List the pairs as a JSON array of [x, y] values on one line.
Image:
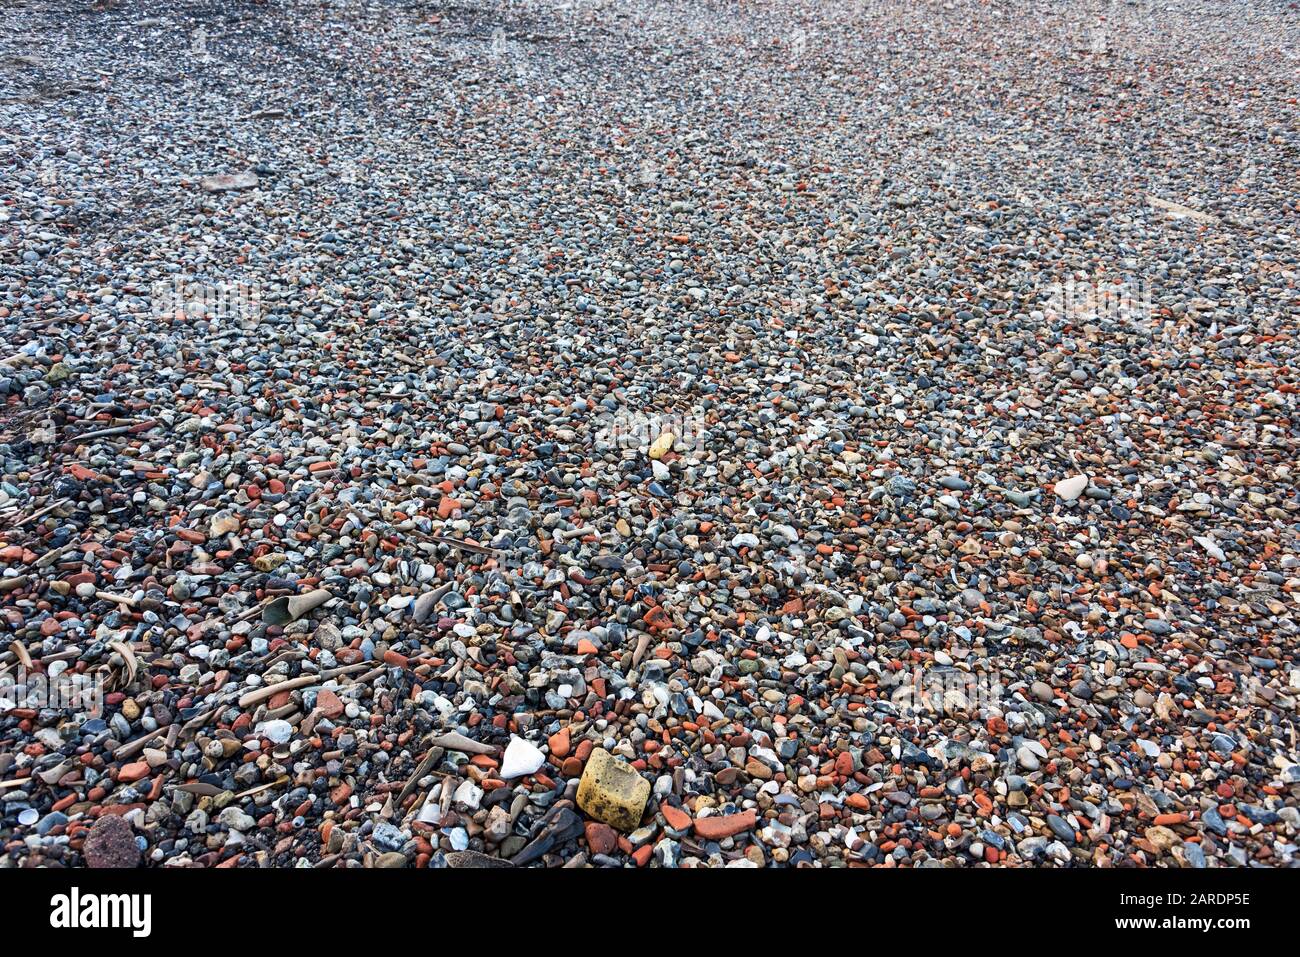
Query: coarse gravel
[[875, 423]]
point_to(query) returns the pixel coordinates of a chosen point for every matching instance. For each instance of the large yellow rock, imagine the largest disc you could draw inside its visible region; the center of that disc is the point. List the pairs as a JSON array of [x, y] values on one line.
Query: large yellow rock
[[612, 791], [659, 448]]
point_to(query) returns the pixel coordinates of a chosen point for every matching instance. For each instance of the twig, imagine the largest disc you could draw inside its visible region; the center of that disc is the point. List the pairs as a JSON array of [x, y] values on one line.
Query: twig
[[464, 546], [39, 512], [425, 764], [282, 779]]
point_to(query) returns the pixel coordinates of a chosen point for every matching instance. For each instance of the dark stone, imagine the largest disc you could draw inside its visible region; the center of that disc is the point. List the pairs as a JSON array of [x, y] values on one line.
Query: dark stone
[[474, 859], [111, 843]]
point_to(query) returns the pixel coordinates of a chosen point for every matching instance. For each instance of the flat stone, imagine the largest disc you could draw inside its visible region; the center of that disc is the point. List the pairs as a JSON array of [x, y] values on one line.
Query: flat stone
[[719, 826], [111, 843], [224, 182]]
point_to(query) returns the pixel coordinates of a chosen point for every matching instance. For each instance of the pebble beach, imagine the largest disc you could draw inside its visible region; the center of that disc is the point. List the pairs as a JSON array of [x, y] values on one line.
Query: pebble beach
[[649, 434]]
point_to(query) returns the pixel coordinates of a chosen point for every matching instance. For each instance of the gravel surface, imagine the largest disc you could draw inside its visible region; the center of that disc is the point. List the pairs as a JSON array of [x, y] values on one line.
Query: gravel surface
[[833, 434]]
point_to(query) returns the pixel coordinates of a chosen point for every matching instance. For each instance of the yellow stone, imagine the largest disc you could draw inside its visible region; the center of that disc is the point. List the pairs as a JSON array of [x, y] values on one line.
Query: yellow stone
[[611, 791], [662, 445], [1162, 837]]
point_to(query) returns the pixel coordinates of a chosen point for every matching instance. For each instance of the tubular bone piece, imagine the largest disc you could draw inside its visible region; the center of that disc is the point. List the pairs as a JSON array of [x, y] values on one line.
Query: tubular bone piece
[[259, 695], [289, 608], [119, 599], [21, 653], [454, 741], [1180, 211], [642, 645]]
